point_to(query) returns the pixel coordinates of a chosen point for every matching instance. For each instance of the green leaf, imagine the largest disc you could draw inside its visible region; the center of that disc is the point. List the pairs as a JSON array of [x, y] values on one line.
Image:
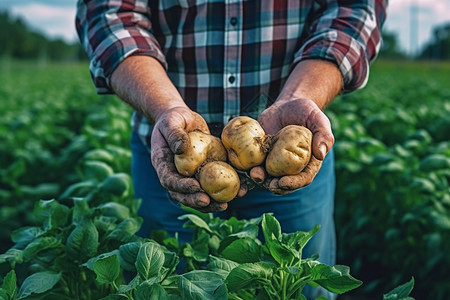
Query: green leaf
[[4, 295], [199, 249], [207, 217], [118, 184], [9, 284], [38, 245], [434, 162], [202, 285], [96, 170], [197, 221], [13, 256], [299, 239], [113, 209], [249, 275], [124, 232], [81, 210], [99, 155], [273, 237], [51, 213], [335, 279], [400, 292], [163, 238], [107, 269], [25, 235], [282, 253], [221, 266], [149, 260], [271, 228], [79, 189], [243, 250], [38, 283], [90, 263], [151, 291], [82, 242], [132, 285], [128, 254]]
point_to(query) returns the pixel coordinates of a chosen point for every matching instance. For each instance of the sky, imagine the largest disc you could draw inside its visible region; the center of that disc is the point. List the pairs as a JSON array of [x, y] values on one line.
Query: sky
[[411, 20]]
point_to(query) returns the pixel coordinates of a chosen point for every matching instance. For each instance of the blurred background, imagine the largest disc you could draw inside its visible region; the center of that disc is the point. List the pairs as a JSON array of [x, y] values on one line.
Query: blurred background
[[392, 139]]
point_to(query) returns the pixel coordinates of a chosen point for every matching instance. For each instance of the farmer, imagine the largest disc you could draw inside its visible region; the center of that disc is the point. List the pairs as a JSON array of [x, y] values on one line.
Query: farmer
[[186, 65]]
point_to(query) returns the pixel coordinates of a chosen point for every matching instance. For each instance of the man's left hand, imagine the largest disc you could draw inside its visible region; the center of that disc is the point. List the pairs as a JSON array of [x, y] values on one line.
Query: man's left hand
[[296, 112]]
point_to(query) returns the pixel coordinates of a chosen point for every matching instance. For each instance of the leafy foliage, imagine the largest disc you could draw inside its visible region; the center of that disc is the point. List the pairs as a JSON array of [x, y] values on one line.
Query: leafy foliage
[[392, 160], [64, 173]]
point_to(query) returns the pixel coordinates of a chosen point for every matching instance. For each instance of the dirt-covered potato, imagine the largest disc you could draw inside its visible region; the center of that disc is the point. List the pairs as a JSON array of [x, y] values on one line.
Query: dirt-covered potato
[[219, 180], [244, 138], [290, 151], [202, 147]]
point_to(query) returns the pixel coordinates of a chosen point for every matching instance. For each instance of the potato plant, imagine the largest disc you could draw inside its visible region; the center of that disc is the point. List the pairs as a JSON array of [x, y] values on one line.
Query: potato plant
[[392, 164], [392, 161]]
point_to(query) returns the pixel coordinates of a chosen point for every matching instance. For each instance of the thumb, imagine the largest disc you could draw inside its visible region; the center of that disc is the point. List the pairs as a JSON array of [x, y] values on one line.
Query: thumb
[[323, 138], [173, 130]]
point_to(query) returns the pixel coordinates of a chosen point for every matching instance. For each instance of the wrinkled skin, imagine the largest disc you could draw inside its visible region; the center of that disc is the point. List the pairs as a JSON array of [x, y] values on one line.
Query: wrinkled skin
[[169, 137], [296, 112]]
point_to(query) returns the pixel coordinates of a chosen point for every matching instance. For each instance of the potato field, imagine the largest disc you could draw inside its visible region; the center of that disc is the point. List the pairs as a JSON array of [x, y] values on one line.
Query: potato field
[[68, 218]]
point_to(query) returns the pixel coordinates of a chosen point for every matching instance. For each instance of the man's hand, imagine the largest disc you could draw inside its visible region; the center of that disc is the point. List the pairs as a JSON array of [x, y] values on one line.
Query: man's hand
[[309, 89], [297, 112], [169, 137]]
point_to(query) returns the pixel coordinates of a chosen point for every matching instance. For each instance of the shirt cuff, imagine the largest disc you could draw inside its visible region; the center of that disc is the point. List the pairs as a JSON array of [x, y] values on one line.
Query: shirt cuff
[[343, 50]]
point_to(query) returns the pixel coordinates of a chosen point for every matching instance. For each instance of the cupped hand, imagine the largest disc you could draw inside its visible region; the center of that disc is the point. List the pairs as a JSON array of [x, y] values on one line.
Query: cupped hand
[[296, 112], [170, 137]]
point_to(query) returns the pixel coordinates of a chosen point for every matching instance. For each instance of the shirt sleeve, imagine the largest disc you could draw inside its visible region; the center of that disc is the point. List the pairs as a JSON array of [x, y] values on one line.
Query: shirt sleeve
[[110, 31], [347, 33]]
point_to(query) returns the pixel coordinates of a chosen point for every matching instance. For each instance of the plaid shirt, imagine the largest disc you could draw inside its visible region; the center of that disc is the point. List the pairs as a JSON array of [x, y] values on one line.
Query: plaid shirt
[[229, 57]]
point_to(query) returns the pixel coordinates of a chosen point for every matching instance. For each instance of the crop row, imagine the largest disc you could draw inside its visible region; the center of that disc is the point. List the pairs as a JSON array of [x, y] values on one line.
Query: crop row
[[393, 178], [65, 143]]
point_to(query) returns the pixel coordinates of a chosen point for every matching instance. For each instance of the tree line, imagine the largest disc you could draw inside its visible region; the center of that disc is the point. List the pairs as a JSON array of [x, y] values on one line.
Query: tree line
[[20, 42]]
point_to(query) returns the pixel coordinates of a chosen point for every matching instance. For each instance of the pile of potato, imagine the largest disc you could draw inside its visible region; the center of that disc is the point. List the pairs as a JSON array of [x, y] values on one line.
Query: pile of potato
[[243, 145]]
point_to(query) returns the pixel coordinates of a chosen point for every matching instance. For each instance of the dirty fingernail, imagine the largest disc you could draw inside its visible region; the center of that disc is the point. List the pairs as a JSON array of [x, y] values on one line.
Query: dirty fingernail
[[323, 150], [201, 203]]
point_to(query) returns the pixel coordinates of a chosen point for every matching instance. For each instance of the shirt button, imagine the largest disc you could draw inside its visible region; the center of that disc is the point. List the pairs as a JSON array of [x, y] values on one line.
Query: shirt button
[[231, 79], [233, 21]]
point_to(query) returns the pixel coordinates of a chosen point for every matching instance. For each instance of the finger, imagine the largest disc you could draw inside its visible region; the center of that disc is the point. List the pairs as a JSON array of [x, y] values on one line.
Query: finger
[[257, 174], [198, 201], [243, 189], [195, 200], [214, 206], [323, 138], [173, 130], [273, 186], [303, 179]]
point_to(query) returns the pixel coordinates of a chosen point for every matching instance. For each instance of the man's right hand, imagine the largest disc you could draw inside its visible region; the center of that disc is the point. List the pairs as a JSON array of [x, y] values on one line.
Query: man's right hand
[[169, 137]]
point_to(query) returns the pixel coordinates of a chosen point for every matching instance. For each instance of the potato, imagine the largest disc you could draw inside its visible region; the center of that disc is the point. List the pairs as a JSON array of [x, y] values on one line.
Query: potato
[[290, 152], [203, 147], [243, 138], [219, 180]]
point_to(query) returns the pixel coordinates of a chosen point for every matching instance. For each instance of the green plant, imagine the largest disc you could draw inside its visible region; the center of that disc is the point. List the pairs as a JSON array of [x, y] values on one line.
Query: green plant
[[82, 252]]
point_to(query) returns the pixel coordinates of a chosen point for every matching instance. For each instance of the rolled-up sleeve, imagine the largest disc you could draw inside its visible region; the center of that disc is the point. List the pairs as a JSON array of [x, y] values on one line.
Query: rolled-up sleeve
[[347, 33], [110, 31]]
